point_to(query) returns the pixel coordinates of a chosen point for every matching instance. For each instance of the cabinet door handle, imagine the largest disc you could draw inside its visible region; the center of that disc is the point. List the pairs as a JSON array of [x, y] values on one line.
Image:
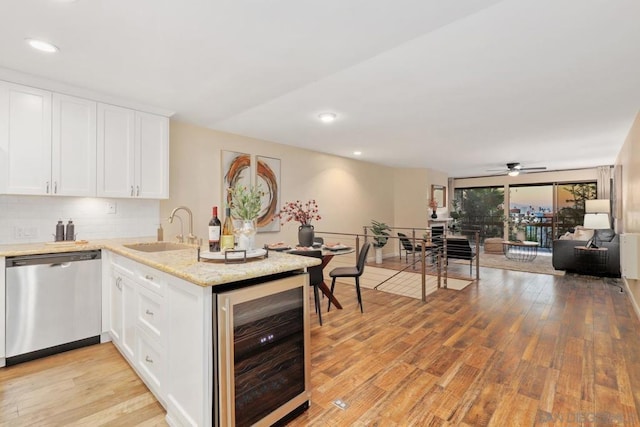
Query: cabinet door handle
[[119, 283], [148, 359], [149, 312], [137, 190], [132, 191], [47, 187], [148, 277], [55, 187]]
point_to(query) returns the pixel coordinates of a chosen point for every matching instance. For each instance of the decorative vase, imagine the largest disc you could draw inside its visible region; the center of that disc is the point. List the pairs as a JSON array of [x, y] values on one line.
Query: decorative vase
[[246, 235], [434, 215], [378, 255], [305, 235], [521, 236]]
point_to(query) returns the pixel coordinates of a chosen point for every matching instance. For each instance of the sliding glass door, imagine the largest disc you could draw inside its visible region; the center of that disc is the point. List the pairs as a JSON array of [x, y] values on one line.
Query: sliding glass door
[[537, 212], [531, 213]]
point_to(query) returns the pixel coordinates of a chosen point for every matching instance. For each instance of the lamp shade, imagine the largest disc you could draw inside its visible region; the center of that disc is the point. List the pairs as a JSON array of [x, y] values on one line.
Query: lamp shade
[[596, 221], [597, 206]]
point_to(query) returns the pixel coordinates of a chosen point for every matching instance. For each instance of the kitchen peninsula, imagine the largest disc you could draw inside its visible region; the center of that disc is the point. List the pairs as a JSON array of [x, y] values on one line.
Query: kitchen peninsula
[[183, 325]]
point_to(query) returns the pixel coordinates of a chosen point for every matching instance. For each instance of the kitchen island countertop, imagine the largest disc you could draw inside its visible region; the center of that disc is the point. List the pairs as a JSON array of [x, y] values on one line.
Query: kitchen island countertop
[[181, 263]]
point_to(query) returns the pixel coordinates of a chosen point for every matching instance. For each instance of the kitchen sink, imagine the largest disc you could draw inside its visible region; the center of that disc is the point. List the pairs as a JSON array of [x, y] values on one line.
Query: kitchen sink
[[158, 246]]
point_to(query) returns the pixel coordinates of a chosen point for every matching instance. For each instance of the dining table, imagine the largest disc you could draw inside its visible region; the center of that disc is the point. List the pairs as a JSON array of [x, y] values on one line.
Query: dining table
[[327, 255]]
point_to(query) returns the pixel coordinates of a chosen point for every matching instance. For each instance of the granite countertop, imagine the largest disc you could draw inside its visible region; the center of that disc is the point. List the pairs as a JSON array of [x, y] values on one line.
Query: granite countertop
[[181, 263]]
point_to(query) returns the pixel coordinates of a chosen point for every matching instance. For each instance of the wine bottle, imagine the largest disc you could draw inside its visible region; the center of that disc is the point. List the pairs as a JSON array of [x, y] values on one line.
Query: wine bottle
[[227, 240], [214, 231]]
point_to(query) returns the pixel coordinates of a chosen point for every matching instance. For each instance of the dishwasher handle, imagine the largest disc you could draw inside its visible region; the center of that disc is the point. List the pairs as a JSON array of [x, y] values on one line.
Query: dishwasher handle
[[60, 264], [50, 259]]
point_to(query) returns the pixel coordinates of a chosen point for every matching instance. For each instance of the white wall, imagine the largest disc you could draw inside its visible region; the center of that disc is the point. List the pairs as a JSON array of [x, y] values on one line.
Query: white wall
[[410, 198], [39, 215], [629, 160], [349, 193]]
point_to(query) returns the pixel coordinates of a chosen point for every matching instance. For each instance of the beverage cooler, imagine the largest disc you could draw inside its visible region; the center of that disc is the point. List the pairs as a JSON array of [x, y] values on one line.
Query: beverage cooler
[[263, 353]]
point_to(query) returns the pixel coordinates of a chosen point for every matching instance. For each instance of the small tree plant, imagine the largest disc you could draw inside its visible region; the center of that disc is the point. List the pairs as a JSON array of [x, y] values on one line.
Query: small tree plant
[[380, 233]]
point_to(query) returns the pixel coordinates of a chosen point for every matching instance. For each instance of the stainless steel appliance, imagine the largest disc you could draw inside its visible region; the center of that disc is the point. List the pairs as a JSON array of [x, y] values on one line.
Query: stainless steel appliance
[[53, 303]]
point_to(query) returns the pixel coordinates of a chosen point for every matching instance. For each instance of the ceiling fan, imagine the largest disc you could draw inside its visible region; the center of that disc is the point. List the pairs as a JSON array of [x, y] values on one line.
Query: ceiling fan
[[514, 169]]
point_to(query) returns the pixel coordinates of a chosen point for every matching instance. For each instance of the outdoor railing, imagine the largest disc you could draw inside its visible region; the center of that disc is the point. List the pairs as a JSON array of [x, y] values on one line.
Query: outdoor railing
[[489, 226]]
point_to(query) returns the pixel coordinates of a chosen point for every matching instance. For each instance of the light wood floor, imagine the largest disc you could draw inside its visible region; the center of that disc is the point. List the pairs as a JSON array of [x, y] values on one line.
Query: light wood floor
[[515, 349]]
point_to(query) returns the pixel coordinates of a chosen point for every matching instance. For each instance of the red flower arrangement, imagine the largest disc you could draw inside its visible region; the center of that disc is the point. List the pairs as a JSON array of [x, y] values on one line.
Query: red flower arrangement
[[297, 211]]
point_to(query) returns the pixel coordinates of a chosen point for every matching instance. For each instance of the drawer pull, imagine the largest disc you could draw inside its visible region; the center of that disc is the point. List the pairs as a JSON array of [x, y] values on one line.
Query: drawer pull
[[148, 359], [148, 277], [149, 312], [119, 283]]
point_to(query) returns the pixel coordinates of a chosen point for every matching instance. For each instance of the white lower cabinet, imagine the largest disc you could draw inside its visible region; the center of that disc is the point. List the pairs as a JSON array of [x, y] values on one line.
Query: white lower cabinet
[[150, 314], [2, 316], [137, 319], [150, 361], [162, 325], [122, 327]]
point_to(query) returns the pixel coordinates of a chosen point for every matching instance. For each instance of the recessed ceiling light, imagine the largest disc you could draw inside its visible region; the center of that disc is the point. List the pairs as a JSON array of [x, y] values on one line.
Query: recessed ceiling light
[[42, 45], [327, 117], [357, 153]]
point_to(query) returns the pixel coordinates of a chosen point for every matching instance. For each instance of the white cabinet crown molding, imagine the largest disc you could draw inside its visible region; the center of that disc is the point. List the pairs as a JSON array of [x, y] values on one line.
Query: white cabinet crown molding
[[55, 86]]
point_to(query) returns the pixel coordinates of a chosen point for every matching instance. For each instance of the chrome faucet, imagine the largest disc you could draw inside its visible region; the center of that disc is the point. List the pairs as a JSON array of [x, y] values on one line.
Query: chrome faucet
[[191, 238]]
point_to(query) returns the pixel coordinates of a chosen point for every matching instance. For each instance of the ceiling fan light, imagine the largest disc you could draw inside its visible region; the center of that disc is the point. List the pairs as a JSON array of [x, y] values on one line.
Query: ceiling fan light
[[514, 172]]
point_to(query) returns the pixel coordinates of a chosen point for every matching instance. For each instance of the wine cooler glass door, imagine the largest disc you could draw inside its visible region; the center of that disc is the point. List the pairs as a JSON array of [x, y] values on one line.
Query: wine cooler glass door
[[264, 351]]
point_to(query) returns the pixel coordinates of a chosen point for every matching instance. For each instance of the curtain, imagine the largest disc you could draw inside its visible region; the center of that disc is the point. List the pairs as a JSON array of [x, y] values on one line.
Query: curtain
[[604, 182], [451, 187]]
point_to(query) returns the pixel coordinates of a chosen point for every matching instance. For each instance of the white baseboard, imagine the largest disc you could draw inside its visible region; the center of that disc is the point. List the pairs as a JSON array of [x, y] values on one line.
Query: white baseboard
[[634, 303]]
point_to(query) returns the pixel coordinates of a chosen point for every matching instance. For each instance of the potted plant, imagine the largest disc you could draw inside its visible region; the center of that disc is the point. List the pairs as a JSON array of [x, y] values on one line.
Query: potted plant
[[517, 229], [380, 232], [245, 206], [456, 214]]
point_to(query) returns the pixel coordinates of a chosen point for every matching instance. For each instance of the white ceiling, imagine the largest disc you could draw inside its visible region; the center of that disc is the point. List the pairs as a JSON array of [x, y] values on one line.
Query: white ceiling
[[458, 86]]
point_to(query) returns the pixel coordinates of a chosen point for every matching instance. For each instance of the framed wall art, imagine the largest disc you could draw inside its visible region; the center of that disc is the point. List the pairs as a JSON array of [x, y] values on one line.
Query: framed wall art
[[268, 181], [236, 169]]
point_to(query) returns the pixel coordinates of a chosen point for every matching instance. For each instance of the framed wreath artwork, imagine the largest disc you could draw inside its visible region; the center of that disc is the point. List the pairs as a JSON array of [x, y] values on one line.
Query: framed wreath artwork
[[236, 169], [268, 181]]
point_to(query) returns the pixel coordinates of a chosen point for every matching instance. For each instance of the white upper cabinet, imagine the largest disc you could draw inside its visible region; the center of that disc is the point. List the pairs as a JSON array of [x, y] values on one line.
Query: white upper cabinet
[[152, 156], [47, 142], [116, 135], [133, 153], [25, 140], [73, 153], [55, 144]]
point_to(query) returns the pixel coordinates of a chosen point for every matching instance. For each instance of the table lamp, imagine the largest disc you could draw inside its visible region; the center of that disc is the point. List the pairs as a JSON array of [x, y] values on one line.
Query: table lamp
[[596, 221], [597, 206], [597, 213]]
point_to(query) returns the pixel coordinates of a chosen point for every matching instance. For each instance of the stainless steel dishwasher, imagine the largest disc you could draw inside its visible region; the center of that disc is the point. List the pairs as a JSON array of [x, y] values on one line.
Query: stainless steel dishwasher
[[53, 304]]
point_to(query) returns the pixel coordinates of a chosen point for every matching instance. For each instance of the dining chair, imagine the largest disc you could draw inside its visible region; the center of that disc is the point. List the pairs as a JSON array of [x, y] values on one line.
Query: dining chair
[[408, 247], [316, 277], [354, 272]]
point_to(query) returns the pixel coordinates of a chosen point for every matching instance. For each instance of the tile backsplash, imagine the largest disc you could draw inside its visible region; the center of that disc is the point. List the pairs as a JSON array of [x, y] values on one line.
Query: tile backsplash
[[30, 219]]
